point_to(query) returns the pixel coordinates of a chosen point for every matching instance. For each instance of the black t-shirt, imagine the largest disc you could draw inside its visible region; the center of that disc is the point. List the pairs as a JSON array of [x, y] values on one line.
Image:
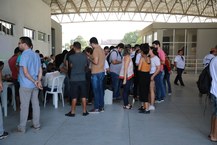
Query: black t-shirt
[[78, 63]]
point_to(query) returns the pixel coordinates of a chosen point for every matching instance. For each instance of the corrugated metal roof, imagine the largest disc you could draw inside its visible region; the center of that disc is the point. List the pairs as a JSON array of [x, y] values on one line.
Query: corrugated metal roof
[[68, 11]]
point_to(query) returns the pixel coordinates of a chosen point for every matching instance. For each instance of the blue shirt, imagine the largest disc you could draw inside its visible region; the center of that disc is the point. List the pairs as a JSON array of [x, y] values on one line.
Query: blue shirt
[[30, 60]]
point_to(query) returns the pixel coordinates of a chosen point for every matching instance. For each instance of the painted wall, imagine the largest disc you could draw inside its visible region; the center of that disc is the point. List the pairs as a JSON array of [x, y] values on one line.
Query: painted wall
[[24, 13], [32, 14], [206, 39], [58, 36]]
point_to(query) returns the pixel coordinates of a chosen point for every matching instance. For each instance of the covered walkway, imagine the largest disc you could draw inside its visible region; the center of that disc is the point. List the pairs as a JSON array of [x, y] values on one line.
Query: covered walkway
[[177, 121]]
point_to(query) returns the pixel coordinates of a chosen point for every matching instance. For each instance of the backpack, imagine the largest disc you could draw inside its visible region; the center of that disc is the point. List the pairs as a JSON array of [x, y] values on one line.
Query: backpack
[[204, 81], [134, 61], [108, 57]]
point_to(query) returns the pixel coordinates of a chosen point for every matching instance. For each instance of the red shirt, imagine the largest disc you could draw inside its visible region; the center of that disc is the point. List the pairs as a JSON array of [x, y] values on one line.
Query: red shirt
[[167, 63], [13, 67]]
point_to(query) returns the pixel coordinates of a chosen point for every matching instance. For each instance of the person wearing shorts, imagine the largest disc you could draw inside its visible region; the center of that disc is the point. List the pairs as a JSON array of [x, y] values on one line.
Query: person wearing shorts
[[77, 64]]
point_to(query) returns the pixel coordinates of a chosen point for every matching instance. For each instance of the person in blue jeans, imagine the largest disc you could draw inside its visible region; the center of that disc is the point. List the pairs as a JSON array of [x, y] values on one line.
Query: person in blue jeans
[[115, 68], [167, 70], [97, 60], [160, 88], [126, 74]]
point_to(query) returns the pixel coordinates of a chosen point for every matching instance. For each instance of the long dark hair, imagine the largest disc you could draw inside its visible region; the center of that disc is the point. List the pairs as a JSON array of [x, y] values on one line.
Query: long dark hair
[[126, 50], [145, 48], [154, 50]]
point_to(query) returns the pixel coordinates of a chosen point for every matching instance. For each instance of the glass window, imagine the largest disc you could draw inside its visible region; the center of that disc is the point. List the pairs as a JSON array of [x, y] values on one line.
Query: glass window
[[48, 38], [192, 35], [155, 36], [168, 35], [191, 50], [168, 48], [149, 39], [179, 46], [144, 38], [29, 33], [41, 36], [179, 35], [6, 27]]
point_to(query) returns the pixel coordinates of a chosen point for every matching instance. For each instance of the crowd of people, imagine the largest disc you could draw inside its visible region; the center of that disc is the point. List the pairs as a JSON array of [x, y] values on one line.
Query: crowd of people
[[142, 72]]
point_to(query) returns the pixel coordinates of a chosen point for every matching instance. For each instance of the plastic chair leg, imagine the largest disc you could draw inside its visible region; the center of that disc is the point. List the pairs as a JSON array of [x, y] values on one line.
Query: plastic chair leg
[[61, 94], [45, 99], [55, 100]]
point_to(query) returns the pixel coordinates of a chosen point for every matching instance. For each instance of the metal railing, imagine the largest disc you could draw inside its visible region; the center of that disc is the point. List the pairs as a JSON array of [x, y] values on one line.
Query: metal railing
[[192, 65]]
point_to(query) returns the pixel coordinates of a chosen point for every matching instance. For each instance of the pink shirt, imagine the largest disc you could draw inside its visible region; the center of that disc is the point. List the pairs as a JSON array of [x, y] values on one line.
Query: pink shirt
[[161, 55]]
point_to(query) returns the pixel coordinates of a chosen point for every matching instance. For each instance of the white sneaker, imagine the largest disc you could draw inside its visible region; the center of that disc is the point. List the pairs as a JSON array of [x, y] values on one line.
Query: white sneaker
[[151, 107], [156, 101], [169, 94], [161, 100]]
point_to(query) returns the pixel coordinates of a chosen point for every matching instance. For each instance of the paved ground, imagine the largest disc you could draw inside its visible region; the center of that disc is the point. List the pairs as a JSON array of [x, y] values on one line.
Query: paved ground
[[180, 120]]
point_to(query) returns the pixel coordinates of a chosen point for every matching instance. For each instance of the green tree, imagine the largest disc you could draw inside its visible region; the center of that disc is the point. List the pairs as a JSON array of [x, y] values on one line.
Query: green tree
[[132, 38], [81, 40], [67, 46]]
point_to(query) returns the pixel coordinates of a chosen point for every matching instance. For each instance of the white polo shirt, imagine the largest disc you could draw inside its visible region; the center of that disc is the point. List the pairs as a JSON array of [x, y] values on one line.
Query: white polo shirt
[[213, 73], [138, 57], [207, 59], [180, 61]]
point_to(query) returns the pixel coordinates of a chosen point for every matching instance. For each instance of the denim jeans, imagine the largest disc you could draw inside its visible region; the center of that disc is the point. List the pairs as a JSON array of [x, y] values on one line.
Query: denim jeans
[[167, 81], [98, 89], [160, 89], [214, 100], [126, 92], [163, 87], [116, 84], [1, 121]]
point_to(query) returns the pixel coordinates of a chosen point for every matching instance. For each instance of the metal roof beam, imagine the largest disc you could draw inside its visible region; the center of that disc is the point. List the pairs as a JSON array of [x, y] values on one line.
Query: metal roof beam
[[189, 7], [104, 4], [198, 9], [141, 5], [213, 10], [137, 7], [73, 5], [128, 3], [180, 1], [173, 6], [204, 7], [120, 5], [88, 6]]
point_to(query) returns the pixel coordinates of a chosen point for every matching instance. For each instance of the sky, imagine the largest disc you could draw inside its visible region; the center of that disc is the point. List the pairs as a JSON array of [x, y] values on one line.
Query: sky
[[100, 30]]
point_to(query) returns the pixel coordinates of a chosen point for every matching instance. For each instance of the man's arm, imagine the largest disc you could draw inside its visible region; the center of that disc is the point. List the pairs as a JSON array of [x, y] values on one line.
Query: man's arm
[[27, 75], [114, 60], [94, 58]]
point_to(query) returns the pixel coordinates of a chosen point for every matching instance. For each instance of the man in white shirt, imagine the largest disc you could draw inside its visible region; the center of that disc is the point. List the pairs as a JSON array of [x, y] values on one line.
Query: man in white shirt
[[208, 57], [179, 63], [213, 91]]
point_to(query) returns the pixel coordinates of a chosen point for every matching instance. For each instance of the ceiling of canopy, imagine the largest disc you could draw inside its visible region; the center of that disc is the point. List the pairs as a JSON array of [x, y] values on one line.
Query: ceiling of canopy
[[71, 11]]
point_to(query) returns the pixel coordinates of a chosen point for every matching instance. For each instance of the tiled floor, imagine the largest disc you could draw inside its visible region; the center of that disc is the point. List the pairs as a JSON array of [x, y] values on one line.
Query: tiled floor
[[180, 120]]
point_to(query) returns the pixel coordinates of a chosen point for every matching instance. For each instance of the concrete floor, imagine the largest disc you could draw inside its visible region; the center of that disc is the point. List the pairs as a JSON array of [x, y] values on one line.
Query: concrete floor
[[180, 120]]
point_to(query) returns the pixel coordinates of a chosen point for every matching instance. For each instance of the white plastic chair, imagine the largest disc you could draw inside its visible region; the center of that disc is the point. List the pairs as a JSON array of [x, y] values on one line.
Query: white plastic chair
[[4, 97], [56, 89]]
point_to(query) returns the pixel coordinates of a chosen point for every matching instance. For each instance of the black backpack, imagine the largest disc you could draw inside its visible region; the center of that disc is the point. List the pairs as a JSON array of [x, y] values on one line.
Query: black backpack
[[108, 57], [204, 81]]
